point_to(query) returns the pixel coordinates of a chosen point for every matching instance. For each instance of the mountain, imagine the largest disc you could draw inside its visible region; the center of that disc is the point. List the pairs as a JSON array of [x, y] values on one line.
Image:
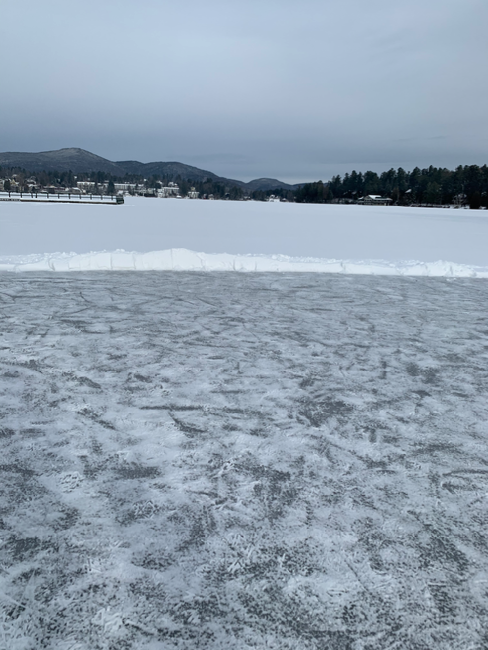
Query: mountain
[[268, 184], [81, 161], [76, 160], [169, 169]]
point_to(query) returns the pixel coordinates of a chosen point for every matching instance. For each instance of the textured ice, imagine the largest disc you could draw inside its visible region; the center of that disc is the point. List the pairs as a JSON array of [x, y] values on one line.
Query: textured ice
[[227, 460]]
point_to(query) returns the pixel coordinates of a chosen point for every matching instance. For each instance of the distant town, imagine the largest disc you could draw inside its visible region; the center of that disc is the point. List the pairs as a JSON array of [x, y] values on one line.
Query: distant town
[[18, 183]]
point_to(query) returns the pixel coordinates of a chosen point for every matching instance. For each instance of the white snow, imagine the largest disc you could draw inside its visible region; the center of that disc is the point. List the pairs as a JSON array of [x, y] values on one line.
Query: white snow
[[243, 236], [181, 259]]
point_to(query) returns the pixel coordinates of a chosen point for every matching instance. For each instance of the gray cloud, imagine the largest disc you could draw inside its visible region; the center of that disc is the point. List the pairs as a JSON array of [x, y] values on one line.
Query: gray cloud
[[249, 89]]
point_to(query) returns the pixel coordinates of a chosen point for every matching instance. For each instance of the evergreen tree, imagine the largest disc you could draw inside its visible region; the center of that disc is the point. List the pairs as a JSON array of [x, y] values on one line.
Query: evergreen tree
[[371, 183], [432, 193]]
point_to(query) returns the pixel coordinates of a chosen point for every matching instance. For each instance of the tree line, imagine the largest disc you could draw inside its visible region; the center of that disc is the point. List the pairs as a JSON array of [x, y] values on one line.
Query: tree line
[[466, 185]]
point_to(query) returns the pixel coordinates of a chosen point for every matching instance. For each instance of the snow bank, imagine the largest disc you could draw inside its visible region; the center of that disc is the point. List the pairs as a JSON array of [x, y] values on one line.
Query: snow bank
[[181, 259]]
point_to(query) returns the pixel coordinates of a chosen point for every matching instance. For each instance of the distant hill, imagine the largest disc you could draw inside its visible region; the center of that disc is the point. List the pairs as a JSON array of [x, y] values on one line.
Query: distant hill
[[76, 160], [268, 184], [81, 161], [174, 169], [169, 169]]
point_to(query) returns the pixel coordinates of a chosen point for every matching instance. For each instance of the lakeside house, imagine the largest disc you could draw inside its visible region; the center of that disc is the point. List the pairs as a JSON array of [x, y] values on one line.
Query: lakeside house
[[374, 199]]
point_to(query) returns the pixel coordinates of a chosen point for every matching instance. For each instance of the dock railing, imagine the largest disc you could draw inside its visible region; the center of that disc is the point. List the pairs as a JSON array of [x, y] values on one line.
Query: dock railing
[[62, 197]]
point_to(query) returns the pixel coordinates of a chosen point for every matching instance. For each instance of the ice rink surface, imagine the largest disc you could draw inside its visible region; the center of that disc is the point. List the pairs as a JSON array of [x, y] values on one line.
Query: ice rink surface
[[220, 461]]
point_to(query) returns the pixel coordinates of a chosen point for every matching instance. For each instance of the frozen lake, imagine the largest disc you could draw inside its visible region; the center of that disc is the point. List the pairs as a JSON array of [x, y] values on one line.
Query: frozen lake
[[222, 461], [326, 232]]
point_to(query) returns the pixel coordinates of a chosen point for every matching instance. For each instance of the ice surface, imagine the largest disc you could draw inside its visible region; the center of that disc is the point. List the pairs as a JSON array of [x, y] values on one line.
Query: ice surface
[[225, 460], [328, 233]]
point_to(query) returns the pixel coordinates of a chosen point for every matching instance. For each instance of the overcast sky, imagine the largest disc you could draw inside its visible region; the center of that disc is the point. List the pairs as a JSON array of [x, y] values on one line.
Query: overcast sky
[[291, 90]]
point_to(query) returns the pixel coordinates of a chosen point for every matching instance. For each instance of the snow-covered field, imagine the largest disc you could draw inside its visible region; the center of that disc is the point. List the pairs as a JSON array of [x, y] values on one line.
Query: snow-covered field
[[215, 461], [243, 236]]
